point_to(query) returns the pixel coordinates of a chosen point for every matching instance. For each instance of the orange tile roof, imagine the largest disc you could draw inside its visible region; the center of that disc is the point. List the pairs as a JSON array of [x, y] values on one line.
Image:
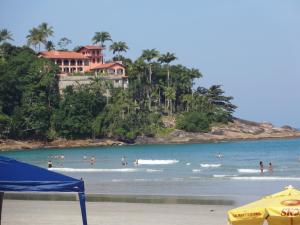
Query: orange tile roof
[[62, 55], [106, 65], [93, 47]]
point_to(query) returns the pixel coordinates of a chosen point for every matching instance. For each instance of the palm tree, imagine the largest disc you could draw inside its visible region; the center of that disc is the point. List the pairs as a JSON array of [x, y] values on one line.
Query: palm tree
[[49, 46], [101, 37], [170, 94], [118, 47], [149, 55], [5, 35], [63, 43], [167, 58], [46, 30], [39, 35], [35, 38], [188, 100]]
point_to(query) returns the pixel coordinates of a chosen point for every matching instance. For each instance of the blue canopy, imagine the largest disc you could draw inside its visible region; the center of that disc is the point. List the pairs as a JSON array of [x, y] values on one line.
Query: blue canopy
[[16, 176]]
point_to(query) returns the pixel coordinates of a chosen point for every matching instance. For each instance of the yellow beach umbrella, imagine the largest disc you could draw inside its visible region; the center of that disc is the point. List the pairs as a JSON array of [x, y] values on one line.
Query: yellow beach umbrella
[[282, 208]]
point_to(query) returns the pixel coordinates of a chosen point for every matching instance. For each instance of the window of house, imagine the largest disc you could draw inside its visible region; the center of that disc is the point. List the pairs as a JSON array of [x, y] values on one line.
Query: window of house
[[66, 62], [98, 60], [72, 62], [73, 69], [66, 70], [79, 69], [120, 71], [93, 60], [79, 62], [58, 62], [111, 71], [86, 62]]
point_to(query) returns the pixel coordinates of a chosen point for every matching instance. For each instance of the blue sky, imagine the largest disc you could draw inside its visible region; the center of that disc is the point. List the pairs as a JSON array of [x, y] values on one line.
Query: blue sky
[[251, 47]]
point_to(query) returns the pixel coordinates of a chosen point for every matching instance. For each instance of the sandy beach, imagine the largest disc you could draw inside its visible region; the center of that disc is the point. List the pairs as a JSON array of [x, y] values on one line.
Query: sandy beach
[[19, 212]]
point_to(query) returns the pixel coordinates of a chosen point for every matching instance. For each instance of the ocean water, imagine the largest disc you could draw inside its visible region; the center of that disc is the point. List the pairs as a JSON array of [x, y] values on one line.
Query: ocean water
[[182, 169]]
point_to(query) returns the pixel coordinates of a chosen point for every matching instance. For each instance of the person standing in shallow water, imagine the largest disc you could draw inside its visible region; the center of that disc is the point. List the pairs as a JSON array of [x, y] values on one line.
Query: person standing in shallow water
[[270, 168], [93, 160], [261, 165]]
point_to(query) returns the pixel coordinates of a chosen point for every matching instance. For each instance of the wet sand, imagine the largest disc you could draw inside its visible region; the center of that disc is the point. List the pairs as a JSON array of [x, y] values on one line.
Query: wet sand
[[20, 212]]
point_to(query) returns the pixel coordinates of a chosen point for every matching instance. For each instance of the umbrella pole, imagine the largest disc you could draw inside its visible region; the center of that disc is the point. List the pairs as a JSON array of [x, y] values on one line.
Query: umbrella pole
[[1, 203]]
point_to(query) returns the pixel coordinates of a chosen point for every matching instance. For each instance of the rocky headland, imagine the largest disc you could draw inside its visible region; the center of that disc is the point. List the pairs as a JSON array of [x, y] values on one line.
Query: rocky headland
[[237, 130]]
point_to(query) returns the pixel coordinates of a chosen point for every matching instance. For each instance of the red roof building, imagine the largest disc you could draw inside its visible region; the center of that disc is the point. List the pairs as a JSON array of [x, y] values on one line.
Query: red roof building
[[87, 59]]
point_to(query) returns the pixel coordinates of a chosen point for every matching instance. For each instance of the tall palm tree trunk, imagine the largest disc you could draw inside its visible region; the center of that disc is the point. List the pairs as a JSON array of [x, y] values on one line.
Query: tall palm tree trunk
[[168, 73], [149, 90], [150, 74]]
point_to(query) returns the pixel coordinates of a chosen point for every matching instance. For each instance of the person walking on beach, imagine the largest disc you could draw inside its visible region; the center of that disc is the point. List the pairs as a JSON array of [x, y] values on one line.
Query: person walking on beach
[[270, 168], [261, 165]]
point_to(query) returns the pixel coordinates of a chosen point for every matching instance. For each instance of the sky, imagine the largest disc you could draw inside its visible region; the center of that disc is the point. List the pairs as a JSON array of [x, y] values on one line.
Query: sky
[[250, 47]]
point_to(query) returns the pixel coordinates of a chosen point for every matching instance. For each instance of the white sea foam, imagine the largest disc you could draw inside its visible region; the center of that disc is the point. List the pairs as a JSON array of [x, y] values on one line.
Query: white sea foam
[[156, 162], [266, 178], [153, 170], [223, 175], [188, 164], [196, 171], [94, 170], [248, 171], [210, 165]]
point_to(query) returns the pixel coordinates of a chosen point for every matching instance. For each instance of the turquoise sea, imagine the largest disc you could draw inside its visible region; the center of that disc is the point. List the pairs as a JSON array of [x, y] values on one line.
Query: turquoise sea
[[182, 169]]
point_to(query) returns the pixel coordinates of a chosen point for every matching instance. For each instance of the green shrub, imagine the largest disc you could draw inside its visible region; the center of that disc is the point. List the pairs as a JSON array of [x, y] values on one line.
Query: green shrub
[[193, 122]]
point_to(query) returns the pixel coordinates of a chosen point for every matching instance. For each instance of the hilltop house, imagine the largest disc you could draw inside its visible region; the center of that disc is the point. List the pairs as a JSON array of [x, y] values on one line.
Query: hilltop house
[[86, 61]]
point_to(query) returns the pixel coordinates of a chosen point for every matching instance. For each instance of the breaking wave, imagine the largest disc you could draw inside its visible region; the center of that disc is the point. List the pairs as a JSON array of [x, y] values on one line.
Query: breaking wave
[[223, 175], [266, 178], [153, 170], [196, 171], [248, 171], [210, 165], [156, 162]]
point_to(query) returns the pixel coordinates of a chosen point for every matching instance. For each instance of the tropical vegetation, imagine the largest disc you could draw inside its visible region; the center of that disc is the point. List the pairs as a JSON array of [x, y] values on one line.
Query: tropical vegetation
[[31, 106]]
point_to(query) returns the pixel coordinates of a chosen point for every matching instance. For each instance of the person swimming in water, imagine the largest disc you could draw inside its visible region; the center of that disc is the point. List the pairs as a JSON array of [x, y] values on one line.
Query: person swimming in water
[[219, 155]]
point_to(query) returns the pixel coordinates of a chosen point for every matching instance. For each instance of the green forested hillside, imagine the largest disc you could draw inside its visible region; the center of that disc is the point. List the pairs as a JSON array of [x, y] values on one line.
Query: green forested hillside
[[32, 108]]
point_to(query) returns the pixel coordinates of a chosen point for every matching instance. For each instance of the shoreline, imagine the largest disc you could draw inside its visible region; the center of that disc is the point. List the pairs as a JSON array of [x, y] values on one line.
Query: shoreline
[[130, 198], [238, 130], [17, 145]]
